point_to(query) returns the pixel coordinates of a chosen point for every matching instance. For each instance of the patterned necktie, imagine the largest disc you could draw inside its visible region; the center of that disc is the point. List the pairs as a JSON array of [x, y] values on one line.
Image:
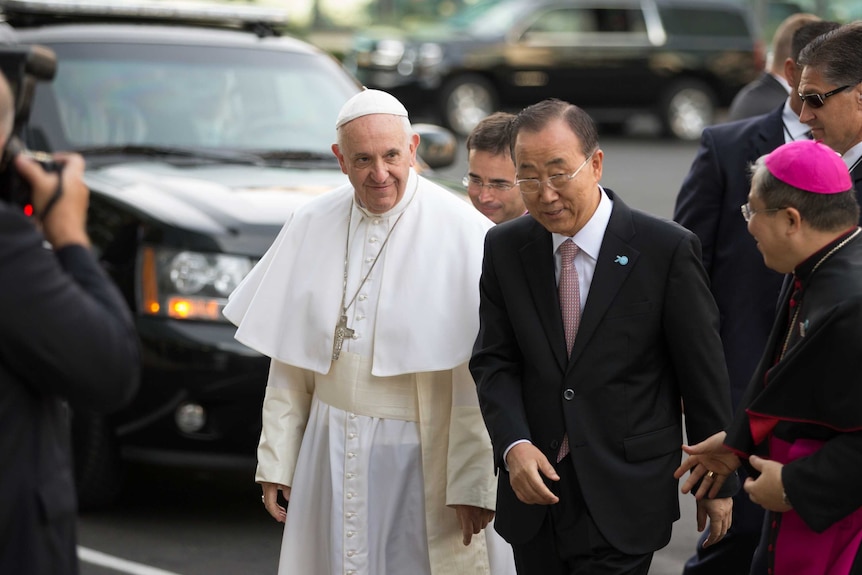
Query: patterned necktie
[[570, 293], [570, 306]]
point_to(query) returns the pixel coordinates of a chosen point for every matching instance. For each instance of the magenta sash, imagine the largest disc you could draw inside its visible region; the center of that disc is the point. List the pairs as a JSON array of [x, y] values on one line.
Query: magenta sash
[[798, 549]]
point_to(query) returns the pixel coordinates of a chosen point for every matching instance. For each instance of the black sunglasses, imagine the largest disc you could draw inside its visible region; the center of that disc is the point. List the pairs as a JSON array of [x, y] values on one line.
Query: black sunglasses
[[817, 100]]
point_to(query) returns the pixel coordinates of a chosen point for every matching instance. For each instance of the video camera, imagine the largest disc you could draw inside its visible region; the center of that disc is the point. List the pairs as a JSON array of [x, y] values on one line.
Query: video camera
[[23, 66]]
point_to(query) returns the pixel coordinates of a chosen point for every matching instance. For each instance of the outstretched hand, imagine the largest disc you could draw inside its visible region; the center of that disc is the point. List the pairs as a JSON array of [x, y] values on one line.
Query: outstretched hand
[[709, 463]]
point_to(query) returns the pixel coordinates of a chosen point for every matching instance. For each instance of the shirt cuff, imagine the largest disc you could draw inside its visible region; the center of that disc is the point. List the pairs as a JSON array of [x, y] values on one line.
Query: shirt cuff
[[508, 449]]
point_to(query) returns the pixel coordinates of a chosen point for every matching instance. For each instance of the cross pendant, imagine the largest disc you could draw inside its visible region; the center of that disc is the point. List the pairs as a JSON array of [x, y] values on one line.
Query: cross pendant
[[341, 331]]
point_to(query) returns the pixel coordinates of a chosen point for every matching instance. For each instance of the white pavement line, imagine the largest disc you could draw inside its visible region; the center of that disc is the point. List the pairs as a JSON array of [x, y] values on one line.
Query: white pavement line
[[117, 564]]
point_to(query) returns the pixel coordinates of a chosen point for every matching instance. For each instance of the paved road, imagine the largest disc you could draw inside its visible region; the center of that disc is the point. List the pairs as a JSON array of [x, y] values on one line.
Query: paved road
[[180, 522]]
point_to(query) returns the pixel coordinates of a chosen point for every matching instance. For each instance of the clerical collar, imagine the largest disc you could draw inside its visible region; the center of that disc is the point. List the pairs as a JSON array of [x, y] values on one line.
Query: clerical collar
[[806, 268], [409, 192]]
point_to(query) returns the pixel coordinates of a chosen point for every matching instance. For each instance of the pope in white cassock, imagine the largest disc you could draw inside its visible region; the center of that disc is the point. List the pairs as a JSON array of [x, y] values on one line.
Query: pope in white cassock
[[367, 302]]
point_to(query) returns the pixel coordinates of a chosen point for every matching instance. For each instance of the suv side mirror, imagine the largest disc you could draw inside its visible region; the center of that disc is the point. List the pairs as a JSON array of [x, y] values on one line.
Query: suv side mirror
[[436, 145]]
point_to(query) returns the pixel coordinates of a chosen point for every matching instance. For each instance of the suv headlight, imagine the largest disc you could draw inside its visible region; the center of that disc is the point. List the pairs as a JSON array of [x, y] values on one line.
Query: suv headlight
[[184, 284]]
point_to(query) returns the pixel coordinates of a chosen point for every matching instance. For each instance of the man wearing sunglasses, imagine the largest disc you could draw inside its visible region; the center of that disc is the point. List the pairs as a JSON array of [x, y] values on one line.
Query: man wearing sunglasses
[[745, 290], [831, 91]]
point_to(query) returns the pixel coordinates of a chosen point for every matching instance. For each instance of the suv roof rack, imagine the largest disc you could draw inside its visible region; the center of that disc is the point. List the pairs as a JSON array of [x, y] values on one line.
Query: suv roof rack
[[262, 21]]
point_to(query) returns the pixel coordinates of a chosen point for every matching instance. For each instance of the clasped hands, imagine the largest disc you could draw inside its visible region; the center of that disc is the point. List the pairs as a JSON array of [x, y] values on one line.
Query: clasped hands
[[710, 463]]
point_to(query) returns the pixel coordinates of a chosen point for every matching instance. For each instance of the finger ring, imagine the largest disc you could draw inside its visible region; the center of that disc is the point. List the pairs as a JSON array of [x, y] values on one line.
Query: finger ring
[[711, 474]]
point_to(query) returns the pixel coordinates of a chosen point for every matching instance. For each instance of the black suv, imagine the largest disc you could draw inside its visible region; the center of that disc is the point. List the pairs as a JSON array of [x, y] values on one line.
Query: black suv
[[676, 59], [200, 140]]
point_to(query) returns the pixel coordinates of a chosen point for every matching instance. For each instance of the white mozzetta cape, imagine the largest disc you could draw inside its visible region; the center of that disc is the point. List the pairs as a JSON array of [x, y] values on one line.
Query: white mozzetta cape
[[288, 306]]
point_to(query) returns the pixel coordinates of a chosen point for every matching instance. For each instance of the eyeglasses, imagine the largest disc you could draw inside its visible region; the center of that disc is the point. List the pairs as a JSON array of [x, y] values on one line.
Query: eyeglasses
[[478, 184], [748, 213], [817, 100], [556, 183]]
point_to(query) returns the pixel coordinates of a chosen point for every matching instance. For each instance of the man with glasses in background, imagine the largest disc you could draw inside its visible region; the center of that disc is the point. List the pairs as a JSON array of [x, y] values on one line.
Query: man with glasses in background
[[831, 91], [490, 179], [596, 324]]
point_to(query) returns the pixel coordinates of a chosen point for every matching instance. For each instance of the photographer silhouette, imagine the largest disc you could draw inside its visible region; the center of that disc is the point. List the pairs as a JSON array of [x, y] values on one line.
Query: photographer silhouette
[[66, 341]]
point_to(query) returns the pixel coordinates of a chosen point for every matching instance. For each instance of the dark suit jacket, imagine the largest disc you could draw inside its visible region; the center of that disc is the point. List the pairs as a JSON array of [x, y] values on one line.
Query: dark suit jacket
[[745, 290], [648, 337], [760, 96], [65, 335]]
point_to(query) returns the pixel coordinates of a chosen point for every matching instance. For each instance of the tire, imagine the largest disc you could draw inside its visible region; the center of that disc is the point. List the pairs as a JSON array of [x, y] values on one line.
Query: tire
[[465, 101], [687, 108], [98, 470]]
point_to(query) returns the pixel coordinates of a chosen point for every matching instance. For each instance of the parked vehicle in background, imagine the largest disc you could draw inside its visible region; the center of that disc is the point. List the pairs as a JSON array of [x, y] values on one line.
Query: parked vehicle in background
[[203, 129], [680, 60]]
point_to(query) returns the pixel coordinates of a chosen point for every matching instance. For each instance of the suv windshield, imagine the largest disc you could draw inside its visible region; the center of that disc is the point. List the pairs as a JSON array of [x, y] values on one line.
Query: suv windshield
[[159, 96]]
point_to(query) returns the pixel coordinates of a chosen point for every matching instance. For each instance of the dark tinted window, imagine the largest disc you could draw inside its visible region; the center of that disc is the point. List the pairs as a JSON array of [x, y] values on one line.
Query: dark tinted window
[[701, 22], [606, 20]]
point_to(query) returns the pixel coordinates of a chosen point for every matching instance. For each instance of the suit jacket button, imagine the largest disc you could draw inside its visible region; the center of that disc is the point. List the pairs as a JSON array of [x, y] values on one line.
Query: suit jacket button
[[555, 444], [568, 394]]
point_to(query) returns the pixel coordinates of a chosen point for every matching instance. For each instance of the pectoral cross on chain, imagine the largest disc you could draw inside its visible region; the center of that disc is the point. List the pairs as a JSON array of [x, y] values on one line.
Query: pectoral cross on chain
[[341, 331]]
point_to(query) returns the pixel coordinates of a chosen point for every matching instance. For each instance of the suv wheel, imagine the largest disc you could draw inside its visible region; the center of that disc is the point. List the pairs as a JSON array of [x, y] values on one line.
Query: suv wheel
[[688, 107], [466, 100], [98, 471]]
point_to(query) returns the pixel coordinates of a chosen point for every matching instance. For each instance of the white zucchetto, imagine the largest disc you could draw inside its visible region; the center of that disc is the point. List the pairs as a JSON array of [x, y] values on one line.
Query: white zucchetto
[[369, 102]]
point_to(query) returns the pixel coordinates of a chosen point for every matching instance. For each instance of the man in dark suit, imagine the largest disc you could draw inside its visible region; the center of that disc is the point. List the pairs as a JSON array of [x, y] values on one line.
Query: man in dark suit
[[831, 87], [798, 426], [584, 402], [745, 290], [66, 336], [770, 89]]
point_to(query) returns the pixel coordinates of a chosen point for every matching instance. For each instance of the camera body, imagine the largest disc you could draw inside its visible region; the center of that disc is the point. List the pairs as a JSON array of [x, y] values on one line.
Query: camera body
[[23, 67]]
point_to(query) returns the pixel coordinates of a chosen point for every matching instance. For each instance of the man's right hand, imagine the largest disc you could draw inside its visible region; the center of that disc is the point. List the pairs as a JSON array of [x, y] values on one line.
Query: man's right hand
[[709, 463], [66, 222], [526, 465], [270, 500]]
